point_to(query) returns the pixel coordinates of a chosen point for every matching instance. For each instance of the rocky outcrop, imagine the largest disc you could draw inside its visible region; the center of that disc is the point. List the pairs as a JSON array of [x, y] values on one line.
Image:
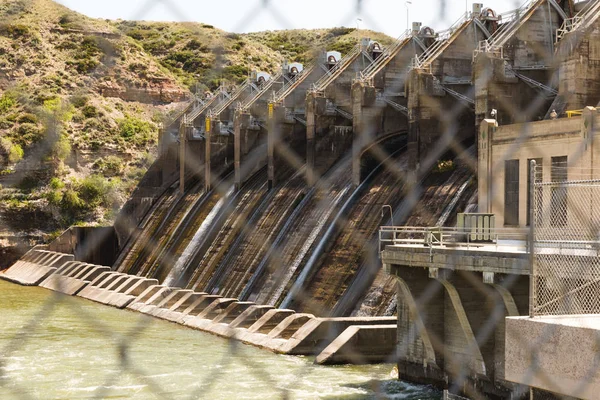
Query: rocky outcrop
[[160, 91]]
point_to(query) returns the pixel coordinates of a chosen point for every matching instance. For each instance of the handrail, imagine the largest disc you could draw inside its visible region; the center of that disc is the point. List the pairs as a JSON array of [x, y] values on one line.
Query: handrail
[[298, 78], [451, 236], [511, 21], [262, 90], [586, 16], [182, 112], [340, 67], [443, 38], [227, 102], [196, 112], [388, 53]]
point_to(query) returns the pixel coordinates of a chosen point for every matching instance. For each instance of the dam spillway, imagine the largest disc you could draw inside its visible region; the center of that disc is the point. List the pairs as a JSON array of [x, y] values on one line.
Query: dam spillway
[[262, 214]]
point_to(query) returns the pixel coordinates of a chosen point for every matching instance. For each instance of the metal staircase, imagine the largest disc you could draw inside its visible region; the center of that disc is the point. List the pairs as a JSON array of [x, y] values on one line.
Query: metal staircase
[[289, 86], [398, 107], [337, 70], [547, 90], [197, 111], [444, 38], [583, 20], [215, 112], [343, 113], [385, 57], [458, 96], [260, 92]]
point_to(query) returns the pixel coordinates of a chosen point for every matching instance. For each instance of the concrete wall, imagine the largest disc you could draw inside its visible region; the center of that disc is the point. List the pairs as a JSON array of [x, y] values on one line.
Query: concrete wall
[[556, 354], [451, 315], [93, 245], [579, 70], [328, 134], [571, 137], [433, 113]]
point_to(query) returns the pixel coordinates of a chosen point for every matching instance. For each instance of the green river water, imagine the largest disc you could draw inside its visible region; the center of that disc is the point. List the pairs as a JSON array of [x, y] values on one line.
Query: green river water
[[57, 347]]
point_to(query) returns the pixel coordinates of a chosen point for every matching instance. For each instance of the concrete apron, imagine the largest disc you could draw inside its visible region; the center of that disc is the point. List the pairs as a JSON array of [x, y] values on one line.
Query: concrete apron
[[332, 340]]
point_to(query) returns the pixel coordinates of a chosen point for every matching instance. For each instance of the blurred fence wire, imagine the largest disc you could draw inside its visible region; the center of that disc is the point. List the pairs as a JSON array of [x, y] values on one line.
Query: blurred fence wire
[[566, 214]]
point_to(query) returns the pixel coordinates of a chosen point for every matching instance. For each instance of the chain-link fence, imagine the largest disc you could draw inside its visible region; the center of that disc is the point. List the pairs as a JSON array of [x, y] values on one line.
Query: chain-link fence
[[271, 184], [566, 242]]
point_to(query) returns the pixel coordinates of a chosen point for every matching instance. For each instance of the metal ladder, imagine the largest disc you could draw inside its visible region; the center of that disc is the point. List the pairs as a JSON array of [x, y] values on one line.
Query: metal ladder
[[385, 57]]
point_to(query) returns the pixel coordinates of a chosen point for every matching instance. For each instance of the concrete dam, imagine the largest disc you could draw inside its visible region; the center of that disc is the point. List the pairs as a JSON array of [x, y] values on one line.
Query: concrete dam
[[261, 217]]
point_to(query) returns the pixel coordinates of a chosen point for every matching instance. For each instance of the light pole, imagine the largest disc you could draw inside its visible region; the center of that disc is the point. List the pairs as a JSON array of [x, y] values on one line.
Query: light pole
[[358, 21], [406, 4], [391, 212]]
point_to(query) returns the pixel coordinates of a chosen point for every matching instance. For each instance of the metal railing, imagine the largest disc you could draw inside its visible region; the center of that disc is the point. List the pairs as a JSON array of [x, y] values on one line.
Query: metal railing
[[398, 107], [584, 18], [262, 90], [227, 102], [197, 111], [384, 58], [442, 40], [438, 236], [293, 83], [336, 71], [511, 21]]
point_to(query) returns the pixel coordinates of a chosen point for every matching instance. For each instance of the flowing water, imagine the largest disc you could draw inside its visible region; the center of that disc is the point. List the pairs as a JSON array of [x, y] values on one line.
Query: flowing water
[[71, 351]]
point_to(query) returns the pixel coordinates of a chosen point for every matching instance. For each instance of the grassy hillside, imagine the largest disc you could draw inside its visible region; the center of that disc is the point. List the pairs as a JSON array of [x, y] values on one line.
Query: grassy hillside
[[81, 101]]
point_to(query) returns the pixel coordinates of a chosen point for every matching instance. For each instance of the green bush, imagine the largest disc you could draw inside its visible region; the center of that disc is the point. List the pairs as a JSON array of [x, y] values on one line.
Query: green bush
[[89, 111], [109, 166], [340, 31], [7, 101], [26, 134], [135, 130], [79, 100], [56, 184], [28, 118], [15, 31], [61, 148], [195, 44], [71, 202], [15, 153]]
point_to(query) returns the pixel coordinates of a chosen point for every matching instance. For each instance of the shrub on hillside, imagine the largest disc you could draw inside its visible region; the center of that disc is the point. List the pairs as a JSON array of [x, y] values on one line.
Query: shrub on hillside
[[135, 130], [7, 101], [14, 31]]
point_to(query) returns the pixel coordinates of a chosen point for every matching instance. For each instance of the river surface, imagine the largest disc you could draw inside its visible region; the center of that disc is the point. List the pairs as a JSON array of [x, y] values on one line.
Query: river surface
[[58, 347]]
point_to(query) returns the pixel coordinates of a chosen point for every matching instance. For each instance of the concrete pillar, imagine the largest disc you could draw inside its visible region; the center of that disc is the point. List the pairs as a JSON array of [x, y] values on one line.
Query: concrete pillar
[[207, 154], [365, 125], [240, 124], [484, 165], [311, 120], [182, 160], [414, 117], [358, 127], [460, 342], [273, 140], [421, 329]]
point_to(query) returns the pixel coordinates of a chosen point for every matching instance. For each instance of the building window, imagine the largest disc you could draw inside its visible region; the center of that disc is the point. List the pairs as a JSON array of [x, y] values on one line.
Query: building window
[[558, 195], [538, 179], [511, 192]]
